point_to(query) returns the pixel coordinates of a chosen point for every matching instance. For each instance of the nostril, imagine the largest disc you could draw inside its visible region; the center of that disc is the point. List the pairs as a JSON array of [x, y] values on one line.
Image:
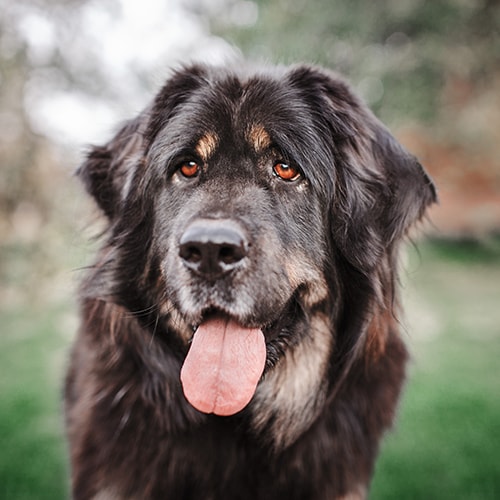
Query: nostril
[[190, 253], [230, 254], [213, 247]]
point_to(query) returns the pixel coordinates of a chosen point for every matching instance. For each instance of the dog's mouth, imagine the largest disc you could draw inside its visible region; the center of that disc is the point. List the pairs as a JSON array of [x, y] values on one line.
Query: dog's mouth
[[228, 355], [223, 366]]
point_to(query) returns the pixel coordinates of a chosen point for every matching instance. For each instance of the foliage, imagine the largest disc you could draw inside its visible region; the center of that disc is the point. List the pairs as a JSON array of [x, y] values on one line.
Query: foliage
[[400, 53]]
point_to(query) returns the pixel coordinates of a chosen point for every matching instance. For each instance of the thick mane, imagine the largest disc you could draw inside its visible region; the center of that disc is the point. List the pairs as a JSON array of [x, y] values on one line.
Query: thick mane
[[239, 334]]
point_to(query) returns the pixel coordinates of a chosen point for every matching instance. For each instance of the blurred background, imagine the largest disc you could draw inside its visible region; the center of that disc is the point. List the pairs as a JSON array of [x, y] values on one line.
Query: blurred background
[[70, 70]]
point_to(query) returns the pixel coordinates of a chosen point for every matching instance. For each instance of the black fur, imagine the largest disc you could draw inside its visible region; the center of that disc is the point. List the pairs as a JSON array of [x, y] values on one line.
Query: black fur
[[318, 277]]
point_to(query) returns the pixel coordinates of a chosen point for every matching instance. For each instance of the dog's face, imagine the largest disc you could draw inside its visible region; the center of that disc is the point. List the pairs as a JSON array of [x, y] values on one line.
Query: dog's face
[[248, 208], [239, 228]]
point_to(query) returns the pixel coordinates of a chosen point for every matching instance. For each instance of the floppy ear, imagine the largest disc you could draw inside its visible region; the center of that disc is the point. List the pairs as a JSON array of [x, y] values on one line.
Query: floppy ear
[[381, 190], [105, 171], [409, 189]]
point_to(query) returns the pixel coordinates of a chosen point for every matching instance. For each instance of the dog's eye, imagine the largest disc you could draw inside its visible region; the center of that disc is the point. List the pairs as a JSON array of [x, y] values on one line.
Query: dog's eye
[[286, 172], [189, 169]]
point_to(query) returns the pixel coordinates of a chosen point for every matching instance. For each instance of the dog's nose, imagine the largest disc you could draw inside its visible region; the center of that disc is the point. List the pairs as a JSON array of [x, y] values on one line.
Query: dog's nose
[[213, 247]]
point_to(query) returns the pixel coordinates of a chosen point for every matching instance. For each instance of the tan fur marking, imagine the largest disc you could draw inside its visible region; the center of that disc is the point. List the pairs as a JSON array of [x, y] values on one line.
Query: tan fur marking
[[359, 494], [291, 395], [377, 333], [107, 494], [259, 138], [206, 146], [301, 272]]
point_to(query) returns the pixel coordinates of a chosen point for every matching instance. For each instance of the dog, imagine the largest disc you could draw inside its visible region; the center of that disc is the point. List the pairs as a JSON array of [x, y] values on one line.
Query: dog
[[240, 324]]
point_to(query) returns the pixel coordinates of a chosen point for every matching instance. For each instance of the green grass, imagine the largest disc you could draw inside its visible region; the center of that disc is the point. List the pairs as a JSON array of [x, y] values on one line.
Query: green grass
[[32, 451], [446, 441]]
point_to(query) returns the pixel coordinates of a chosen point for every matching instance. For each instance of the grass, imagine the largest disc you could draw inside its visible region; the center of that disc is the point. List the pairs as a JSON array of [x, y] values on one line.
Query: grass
[[445, 444], [32, 456]]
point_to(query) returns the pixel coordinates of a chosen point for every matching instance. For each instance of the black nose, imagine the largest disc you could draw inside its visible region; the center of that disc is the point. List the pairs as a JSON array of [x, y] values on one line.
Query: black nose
[[213, 247]]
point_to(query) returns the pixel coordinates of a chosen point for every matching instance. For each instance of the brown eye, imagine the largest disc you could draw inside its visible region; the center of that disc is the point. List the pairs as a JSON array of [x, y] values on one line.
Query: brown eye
[[286, 172], [190, 169]]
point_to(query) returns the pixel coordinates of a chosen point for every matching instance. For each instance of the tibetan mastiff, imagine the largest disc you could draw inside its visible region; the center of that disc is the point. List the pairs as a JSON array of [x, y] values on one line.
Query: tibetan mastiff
[[239, 335]]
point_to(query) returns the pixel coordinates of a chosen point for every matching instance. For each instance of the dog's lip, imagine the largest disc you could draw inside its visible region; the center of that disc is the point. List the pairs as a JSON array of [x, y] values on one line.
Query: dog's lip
[[271, 329], [218, 313]]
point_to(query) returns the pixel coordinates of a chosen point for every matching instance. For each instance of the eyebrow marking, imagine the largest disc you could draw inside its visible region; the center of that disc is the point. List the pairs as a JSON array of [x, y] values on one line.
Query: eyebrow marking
[[259, 138], [206, 145]]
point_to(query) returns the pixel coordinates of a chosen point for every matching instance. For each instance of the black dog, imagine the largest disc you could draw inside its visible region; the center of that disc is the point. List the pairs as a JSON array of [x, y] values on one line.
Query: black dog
[[239, 337]]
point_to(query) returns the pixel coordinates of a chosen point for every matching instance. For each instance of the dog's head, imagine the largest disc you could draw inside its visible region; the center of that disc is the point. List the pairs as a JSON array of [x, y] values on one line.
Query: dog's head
[[244, 205]]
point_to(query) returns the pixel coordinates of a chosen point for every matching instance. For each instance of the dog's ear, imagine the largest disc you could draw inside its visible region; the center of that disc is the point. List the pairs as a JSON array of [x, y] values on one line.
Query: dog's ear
[[408, 188], [383, 191], [380, 189], [107, 170]]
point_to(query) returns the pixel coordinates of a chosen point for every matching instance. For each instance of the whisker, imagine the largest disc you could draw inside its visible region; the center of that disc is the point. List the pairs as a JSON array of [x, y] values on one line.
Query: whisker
[[154, 330], [145, 311]]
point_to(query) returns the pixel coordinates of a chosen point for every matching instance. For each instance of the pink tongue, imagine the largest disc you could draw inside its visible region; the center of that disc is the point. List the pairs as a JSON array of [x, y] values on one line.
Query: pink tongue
[[223, 366]]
